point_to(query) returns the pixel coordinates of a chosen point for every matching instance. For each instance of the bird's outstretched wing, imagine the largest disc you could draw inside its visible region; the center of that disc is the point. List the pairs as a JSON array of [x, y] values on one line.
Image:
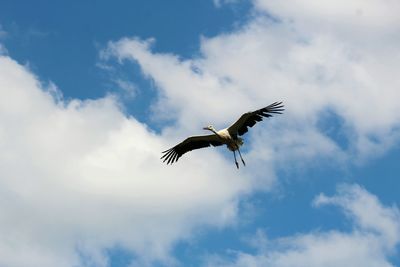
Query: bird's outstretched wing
[[194, 142], [248, 119]]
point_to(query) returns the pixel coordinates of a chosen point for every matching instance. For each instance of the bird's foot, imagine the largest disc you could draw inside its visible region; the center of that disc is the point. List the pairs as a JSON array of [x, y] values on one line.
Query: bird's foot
[[237, 164], [244, 163]]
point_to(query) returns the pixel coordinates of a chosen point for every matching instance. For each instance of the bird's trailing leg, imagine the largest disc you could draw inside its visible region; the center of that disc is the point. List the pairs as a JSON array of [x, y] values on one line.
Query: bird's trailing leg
[[240, 154], [237, 164]]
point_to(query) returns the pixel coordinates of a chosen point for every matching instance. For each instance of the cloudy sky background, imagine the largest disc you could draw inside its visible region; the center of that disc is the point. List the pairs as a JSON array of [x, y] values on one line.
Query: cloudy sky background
[[91, 93]]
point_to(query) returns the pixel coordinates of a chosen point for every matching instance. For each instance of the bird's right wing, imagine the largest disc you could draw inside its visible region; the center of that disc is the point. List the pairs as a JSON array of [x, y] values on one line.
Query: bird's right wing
[[194, 142], [248, 119]]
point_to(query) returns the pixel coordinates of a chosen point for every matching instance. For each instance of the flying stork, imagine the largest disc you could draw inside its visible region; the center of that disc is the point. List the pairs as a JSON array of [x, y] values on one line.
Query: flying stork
[[228, 136]]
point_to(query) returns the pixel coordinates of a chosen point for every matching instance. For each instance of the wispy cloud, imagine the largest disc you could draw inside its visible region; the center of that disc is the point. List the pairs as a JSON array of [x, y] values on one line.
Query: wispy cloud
[[352, 76], [219, 3], [371, 243], [3, 33], [128, 88]]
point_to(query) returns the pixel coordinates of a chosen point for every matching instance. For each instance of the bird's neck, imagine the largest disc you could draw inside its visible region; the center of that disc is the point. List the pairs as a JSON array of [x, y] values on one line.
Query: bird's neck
[[215, 132]]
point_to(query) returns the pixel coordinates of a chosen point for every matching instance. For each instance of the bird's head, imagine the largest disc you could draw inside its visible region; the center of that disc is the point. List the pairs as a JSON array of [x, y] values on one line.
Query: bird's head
[[210, 128]]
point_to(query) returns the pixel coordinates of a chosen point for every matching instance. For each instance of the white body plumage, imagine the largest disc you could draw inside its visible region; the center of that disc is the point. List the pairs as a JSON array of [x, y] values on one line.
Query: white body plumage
[[233, 144]]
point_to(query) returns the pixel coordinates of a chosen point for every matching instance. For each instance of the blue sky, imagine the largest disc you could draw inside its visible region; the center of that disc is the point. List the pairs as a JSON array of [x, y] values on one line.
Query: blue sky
[[91, 93]]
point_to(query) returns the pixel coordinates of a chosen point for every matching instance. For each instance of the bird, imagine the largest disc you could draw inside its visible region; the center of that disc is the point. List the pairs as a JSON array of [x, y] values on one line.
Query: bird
[[229, 136]]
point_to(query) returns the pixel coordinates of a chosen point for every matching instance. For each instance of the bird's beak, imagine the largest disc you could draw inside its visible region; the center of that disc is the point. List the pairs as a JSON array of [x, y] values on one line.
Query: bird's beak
[[205, 128]]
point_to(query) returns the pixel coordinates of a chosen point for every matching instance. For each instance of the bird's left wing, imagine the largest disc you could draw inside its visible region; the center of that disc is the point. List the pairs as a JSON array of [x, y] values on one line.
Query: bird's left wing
[[248, 119], [194, 142]]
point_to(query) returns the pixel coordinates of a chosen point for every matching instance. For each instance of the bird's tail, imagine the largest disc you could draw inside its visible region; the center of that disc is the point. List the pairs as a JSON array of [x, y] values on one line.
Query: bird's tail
[[239, 141]]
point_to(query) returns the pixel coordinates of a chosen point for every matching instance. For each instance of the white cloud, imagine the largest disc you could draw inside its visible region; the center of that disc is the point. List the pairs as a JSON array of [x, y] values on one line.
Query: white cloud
[[351, 75], [79, 177], [367, 212], [375, 234], [316, 64], [365, 15]]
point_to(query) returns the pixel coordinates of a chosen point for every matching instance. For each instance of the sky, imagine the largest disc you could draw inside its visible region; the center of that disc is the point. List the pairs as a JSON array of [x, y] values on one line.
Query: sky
[[92, 92]]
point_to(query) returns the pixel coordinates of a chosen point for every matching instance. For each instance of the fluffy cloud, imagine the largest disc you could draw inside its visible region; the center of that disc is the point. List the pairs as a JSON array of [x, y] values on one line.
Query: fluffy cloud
[[80, 177], [315, 72], [375, 234]]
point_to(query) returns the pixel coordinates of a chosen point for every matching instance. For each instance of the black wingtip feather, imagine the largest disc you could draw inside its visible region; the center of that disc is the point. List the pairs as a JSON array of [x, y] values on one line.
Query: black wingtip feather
[[266, 112]]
